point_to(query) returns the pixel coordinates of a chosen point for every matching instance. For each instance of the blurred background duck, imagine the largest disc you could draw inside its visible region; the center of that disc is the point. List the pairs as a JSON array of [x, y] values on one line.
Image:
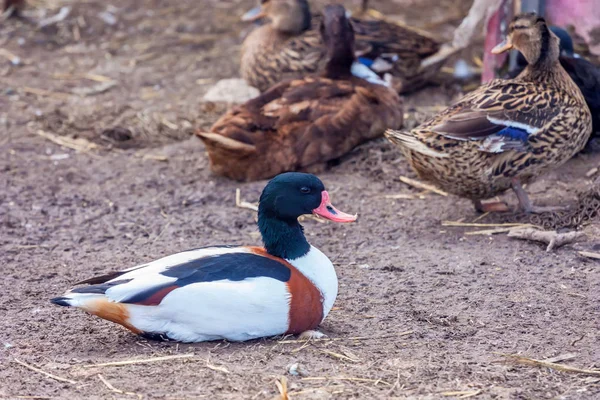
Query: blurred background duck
[[12, 8], [303, 123], [506, 132], [229, 292], [289, 46]]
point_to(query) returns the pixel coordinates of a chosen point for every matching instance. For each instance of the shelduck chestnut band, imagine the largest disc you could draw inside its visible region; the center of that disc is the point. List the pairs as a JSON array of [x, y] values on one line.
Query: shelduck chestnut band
[[327, 211]]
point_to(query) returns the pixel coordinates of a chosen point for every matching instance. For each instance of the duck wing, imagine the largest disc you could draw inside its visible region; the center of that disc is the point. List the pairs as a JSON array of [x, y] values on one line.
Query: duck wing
[[502, 117], [148, 284]]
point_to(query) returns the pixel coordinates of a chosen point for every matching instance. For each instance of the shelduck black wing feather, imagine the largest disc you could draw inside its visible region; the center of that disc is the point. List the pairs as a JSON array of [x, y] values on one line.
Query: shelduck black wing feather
[[231, 267]]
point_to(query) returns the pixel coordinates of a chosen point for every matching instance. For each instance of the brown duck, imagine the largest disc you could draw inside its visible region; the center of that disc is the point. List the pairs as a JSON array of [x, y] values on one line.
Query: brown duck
[[507, 132], [290, 46], [306, 122]]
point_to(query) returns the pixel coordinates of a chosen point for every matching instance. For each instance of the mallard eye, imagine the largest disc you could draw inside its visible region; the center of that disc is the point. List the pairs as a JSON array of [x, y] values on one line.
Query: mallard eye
[[305, 189]]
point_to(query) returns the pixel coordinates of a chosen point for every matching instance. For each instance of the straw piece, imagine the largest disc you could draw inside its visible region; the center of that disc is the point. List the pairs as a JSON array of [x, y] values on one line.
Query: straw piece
[[80, 144], [115, 390], [345, 378], [463, 394], [469, 224], [339, 356], [406, 333], [40, 371], [421, 185], [551, 365], [589, 254], [488, 231], [143, 361], [281, 384], [43, 92]]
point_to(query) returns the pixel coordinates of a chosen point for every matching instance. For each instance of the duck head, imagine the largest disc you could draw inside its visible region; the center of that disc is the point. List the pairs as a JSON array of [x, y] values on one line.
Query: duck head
[[292, 194], [529, 34], [566, 45], [285, 198], [288, 16]]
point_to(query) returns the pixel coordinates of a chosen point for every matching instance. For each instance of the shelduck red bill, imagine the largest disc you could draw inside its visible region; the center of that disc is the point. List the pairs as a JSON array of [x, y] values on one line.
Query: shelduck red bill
[[328, 211]]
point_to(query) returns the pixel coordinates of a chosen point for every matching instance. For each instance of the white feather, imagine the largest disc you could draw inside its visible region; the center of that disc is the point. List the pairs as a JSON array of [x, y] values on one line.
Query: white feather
[[232, 310], [318, 268], [362, 71]]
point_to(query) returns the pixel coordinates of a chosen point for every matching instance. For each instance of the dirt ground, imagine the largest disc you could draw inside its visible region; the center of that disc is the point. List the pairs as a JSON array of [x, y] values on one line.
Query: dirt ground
[[425, 311]]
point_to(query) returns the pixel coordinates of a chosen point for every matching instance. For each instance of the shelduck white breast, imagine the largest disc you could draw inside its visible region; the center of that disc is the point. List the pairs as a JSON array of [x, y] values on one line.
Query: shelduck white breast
[[228, 292]]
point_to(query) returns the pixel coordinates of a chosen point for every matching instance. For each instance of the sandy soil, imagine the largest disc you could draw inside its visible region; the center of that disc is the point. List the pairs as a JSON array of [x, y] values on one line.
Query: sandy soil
[[432, 306]]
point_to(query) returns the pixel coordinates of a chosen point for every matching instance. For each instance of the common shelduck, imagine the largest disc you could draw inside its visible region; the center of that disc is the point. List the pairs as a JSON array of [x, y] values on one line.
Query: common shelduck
[[229, 292]]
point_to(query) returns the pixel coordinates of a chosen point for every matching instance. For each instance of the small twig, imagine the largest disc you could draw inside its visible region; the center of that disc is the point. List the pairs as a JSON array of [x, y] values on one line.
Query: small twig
[[43, 92], [162, 231], [579, 339], [562, 357], [421, 185], [48, 374], [98, 88], [282, 387], [345, 378], [406, 333], [588, 254], [60, 16], [555, 366], [552, 238], [143, 361], [463, 394], [482, 216], [81, 145], [400, 196], [338, 355], [591, 172], [155, 157], [115, 390], [12, 57], [216, 368], [488, 231], [474, 225], [243, 204]]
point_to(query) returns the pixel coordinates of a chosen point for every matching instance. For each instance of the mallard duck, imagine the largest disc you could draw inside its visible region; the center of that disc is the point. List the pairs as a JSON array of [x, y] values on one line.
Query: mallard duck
[[506, 132], [229, 292], [303, 123], [585, 75], [289, 46]]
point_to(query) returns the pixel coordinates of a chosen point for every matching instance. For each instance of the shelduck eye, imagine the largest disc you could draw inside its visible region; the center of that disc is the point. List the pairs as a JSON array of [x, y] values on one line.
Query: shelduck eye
[[305, 189]]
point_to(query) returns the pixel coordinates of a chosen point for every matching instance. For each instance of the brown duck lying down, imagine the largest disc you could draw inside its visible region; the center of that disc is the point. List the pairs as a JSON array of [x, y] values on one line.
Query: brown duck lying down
[[303, 123], [507, 132]]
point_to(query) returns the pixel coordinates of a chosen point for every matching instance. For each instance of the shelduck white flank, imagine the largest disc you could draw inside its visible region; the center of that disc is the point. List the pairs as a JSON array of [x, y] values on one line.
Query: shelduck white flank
[[229, 292]]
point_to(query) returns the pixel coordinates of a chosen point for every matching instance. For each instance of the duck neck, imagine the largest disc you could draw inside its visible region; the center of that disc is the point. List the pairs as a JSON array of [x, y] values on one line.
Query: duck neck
[[544, 55], [282, 238]]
